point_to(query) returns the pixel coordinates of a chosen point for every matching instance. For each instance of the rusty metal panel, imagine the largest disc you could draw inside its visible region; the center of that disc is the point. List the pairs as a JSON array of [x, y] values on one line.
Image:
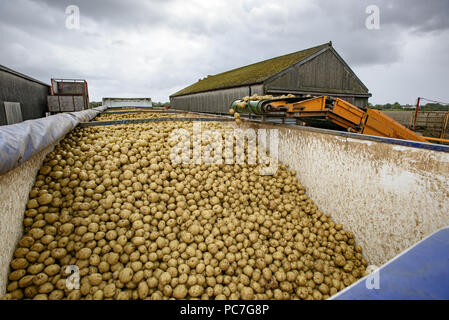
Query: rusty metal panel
[[66, 103], [69, 87]]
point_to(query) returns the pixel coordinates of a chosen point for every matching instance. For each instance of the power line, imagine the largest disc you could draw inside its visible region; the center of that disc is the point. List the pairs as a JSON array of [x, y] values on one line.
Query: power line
[[433, 101]]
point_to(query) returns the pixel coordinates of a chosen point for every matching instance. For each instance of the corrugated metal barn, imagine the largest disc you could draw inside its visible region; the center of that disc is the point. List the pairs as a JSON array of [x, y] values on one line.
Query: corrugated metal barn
[[21, 97], [317, 71]]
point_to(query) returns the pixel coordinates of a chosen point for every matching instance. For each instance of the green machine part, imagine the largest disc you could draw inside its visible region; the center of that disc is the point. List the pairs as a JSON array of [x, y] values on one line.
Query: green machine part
[[250, 106]]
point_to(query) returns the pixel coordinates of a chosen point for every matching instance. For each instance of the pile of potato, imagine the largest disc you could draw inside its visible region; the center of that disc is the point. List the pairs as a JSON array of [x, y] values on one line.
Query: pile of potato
[[136, 115], [109, 201], [255, 97]]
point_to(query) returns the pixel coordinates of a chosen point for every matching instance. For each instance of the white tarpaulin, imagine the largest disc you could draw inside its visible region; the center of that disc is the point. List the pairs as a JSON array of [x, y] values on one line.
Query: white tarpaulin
[[18, 142]]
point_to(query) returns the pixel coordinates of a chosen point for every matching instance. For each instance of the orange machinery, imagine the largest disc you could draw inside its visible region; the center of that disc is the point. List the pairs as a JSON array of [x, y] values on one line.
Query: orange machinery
[[329, 112]]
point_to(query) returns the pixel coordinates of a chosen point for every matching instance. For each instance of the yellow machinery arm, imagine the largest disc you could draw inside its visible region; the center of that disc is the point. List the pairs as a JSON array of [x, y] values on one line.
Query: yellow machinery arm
[[352, 118], [335, 111]]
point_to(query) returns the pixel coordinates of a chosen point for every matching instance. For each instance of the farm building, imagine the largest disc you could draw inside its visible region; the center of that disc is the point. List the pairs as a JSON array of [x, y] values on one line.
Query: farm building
[[317, 71], [21, 97]]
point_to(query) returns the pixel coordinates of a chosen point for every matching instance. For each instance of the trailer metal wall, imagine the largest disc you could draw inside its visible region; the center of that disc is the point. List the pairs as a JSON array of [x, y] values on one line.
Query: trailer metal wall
[[26, 145], [390, 196], [30, 93], [15, 186]]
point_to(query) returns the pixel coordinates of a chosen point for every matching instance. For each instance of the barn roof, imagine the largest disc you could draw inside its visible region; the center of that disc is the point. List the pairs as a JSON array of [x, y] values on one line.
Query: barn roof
[[250, 74], [16, 73]]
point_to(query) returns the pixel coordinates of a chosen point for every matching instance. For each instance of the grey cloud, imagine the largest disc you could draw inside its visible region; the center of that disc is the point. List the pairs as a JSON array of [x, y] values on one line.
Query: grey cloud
[[116, 12], [157, 47], [420, 16]]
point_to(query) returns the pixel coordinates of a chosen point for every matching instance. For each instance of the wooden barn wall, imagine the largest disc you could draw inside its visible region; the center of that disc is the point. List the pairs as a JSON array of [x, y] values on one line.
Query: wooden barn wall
[[217, 101], [360, 102], [324, 73]]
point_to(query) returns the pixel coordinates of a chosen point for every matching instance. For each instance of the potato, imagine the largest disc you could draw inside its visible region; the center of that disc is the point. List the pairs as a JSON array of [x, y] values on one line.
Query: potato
[[16, 275], [26, 241], [95, 279], [32, 204], [52, 270], [26, 281], [180, 292], [19, 263], [66, 229], [247, 293], [16, 294], [85, 253], [74, 295], [143, 290], [56, 295], [36, 233], [46, 288], [137, 241], [98, 295], [318, 278], [45, 199], [323, 288], [36, 268], [126, 275], [40, 279], [109, 290], [195, 291], [103, 267], [339, 260], [165, 278]]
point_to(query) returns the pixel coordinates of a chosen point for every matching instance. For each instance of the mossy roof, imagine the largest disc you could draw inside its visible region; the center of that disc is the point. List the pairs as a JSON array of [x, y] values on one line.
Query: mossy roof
[[250, 74]]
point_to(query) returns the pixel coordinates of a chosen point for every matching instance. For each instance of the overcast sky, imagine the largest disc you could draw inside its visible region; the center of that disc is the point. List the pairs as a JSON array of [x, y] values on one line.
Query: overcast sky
[[154, 48]]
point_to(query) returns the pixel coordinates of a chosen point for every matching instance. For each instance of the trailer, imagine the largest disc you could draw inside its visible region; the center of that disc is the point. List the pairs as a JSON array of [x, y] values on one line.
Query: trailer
[[391, 194], [127, 102], [68, 95]]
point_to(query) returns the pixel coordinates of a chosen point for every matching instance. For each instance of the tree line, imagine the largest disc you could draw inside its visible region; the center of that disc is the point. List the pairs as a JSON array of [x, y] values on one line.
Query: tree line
[[397, 106]]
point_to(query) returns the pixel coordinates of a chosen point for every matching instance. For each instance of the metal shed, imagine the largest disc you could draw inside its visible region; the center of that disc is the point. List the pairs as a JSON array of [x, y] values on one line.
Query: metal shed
[[21, 97], [127, 102], [317, 71]]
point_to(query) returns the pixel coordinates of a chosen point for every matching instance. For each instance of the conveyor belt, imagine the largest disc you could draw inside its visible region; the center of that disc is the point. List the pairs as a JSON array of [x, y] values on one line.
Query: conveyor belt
[[330, 112]]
